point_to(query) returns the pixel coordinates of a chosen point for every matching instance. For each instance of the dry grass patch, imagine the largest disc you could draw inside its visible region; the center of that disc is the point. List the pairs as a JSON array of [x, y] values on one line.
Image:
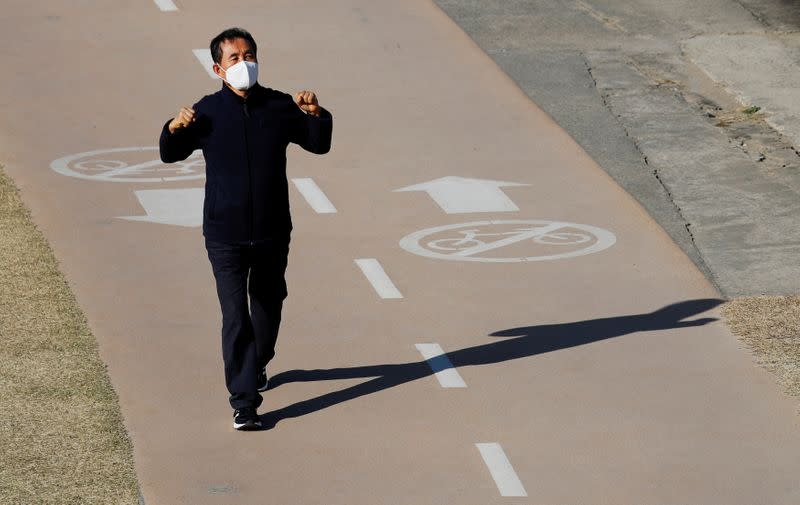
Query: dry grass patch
[[750, 114], [61, 435], [770, 327]]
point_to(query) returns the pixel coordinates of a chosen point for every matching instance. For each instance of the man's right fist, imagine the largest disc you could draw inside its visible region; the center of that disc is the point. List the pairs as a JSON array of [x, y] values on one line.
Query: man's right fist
[[184, 118]]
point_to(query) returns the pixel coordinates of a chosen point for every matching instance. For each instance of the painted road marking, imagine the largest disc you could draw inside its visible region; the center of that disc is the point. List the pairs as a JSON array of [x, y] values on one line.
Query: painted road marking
[[502, 472], [521, 236], [166, 5], [458, 195], [440, 364], [179, 207], [531, 240], [129, 164], [376, 276], [314, 196], [205, 59]]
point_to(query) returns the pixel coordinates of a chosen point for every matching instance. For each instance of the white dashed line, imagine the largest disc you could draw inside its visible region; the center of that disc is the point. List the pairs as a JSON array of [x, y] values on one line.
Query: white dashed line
[[440, 364], [502, 472], [205, 59], [166, 5], [314, 196], [376, 276]]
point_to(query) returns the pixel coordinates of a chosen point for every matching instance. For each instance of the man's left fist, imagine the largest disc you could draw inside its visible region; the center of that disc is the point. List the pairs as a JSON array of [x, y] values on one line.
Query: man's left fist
[[307, 101]]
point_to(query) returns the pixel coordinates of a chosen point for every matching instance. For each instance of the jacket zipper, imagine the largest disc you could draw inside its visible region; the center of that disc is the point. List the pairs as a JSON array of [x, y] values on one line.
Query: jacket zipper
[[249, 175]]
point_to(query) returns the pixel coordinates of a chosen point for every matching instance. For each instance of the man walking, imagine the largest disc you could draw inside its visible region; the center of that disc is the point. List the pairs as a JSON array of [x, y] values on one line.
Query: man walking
[[244, 130]]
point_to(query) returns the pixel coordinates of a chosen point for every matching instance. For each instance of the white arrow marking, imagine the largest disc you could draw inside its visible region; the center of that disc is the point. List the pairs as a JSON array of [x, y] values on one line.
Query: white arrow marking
[[458, 195], [205, 59], [447, 376], [502, 472], [166, 5], [180, 207]]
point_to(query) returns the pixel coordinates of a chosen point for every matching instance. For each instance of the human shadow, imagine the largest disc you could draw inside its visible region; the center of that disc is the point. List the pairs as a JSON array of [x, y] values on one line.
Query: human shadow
[[527, 341]]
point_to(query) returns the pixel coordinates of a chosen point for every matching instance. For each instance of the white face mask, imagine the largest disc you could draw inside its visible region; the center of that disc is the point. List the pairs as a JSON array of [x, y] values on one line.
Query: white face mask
[[242, 75]]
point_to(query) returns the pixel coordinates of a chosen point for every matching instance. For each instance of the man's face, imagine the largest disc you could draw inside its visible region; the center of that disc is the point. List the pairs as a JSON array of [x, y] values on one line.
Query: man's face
[[234, 51]]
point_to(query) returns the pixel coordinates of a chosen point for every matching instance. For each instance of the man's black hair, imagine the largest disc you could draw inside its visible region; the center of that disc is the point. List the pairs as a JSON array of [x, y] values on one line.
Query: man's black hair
[[229, 34]]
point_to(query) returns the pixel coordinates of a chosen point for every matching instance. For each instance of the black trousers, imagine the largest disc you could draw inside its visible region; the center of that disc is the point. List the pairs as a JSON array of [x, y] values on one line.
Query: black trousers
[[248, 333]]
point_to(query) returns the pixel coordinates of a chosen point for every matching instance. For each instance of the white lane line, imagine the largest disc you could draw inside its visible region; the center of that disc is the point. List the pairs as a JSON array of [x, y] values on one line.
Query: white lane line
[[166, 5], [502, 472], [314, 196], [440, 364], [376, 276], [205, 59]]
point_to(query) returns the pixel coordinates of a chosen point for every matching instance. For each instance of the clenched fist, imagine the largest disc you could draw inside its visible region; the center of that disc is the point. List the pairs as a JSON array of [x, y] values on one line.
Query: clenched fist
[[184, 118], [307, 101]]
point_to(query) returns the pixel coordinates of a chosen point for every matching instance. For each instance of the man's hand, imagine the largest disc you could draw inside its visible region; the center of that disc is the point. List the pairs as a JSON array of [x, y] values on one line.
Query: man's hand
[[184, 118], [307, 101]]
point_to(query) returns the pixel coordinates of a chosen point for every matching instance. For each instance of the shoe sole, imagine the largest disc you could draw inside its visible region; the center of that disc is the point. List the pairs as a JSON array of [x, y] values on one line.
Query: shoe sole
[[249, 426]]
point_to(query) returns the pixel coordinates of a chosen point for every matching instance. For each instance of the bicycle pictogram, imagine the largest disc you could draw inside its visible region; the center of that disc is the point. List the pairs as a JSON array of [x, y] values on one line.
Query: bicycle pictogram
[[129, 164], [482, 241]]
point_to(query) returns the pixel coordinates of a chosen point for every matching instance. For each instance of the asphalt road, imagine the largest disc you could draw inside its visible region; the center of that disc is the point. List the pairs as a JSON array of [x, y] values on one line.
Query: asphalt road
[[590, 367]]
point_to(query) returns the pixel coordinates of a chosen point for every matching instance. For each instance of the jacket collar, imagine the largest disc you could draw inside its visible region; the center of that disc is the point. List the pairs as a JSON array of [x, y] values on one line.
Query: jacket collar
[[256, 94]]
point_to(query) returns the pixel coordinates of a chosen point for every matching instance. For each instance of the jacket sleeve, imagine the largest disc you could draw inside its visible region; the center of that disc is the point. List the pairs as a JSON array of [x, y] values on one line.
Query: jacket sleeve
[[312, 133], [179, 145]]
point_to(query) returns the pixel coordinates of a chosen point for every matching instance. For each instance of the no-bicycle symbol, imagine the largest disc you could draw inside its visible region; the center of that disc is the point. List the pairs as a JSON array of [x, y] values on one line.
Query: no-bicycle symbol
[[508, 241], [129, 164]]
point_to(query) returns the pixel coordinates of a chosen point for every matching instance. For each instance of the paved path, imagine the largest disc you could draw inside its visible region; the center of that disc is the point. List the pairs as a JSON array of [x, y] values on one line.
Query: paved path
[[647, 89], [595, 378]]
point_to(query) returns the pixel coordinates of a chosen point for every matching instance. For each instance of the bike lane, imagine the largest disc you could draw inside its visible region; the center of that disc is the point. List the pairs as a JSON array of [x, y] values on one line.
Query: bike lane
[[592, 384]]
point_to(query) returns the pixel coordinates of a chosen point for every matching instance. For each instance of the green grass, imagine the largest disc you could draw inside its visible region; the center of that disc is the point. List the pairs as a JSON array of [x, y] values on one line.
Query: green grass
[[751, 110], [62, 440]]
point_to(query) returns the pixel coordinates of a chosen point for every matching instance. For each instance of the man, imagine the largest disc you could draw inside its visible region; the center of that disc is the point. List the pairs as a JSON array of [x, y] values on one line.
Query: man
[[243, 130]]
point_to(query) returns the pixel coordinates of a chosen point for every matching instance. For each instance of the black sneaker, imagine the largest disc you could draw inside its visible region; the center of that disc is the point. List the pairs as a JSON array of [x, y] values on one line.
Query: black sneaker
[[263, 381], [245, 419]]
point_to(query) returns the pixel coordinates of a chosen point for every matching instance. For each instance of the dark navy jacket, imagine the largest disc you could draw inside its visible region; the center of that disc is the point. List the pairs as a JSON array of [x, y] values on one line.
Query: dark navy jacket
[[244, 143]]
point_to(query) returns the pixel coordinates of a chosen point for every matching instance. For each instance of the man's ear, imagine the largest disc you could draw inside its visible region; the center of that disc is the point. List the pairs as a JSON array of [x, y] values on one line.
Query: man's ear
[[217, 70]]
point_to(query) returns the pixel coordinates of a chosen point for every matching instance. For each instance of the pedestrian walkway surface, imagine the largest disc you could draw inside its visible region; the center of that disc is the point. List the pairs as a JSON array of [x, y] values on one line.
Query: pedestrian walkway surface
[[583, 359]]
